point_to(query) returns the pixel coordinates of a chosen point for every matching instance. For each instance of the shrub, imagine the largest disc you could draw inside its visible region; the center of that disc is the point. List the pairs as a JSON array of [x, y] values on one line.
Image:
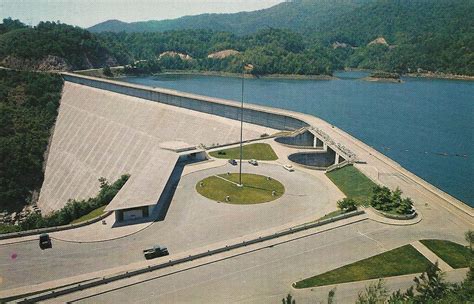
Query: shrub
[[107, 71], [381, 198], [385, 200], [73, 209], [347, 204]]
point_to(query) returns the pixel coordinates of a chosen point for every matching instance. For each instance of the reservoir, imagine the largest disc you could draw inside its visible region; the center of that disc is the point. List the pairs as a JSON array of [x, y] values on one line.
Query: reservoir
[[426, 125]]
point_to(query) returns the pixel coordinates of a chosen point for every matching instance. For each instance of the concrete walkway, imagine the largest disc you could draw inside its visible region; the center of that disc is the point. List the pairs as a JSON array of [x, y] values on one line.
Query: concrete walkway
[[431, 256]]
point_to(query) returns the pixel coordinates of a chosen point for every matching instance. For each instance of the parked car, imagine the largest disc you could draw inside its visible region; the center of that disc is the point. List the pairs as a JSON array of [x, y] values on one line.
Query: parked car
[[155, 252], [45, 241], [253, 162], [289, 168], [233, 162]]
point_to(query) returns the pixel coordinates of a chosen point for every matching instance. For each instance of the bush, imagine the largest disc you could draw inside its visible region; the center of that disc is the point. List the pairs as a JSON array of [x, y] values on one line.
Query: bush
[[347, 204], [73, 209], [385, 200], [107, 71]]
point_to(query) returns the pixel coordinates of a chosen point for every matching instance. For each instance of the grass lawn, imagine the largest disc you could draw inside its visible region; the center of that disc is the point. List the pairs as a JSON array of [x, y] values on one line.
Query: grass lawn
[[353, 183], [257, 151], [331, 214], [256, 188], [94, 213], [456, 255], [399, 261]]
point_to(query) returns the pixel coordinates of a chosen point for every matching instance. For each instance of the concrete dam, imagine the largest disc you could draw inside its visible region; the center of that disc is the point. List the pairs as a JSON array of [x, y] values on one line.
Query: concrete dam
[[100, 133], [108, 128]]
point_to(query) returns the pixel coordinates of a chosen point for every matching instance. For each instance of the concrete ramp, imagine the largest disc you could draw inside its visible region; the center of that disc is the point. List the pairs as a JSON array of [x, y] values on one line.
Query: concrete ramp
[[104, 134]]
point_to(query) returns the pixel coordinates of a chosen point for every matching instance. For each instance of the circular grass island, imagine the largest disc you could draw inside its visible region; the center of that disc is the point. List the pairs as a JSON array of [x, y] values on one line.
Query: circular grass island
[[256, 188]]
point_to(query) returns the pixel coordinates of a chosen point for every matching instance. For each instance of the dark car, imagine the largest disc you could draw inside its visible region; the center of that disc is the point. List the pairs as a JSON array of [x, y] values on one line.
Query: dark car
[[155, 252], [233, 162], [45, 241]]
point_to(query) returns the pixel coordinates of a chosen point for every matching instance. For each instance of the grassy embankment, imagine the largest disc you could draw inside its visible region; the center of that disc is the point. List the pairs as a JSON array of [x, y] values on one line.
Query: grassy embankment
[[91, 215], [353, 183], [256, 188], [258, 151], [399, 261], [456, 255]]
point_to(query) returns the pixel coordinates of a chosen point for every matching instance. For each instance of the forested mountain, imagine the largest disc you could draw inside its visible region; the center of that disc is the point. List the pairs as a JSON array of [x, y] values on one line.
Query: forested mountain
[[298, 15], [426, 35], [28, 109], [50, 46], [294, 37]]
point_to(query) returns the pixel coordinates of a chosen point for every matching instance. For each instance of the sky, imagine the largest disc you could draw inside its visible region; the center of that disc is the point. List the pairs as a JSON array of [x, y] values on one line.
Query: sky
[[86, 13]]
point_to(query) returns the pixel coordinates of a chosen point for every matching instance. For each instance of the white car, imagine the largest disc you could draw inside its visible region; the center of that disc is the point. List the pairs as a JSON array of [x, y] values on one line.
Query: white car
[[289, 168], [253, 162]]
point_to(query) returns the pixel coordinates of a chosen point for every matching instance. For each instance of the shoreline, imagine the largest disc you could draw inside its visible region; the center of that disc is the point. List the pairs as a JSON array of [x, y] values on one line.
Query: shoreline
[[440, 76], [238, 75], [427, 75], [380, 79]]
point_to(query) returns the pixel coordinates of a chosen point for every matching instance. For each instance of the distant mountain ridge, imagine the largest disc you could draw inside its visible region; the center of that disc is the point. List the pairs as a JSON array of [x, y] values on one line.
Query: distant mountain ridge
[[300, 15]]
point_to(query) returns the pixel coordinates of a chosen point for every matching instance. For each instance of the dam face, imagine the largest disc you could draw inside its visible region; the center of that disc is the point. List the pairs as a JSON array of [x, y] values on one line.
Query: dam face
[[99, 133]]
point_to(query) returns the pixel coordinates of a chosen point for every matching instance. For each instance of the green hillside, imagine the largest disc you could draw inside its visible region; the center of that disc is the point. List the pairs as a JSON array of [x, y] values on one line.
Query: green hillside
[[50, 46], [28, 110], [302, 15], [435, 36]]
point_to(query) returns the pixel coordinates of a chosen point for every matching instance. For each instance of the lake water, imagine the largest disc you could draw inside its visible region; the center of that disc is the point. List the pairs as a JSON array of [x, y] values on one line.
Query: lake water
[[426, 125]]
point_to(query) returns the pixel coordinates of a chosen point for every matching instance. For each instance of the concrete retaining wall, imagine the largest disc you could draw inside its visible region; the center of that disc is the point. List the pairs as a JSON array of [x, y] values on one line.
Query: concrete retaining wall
[[314, 159], [401, 217], [192, 102], [305, 139]]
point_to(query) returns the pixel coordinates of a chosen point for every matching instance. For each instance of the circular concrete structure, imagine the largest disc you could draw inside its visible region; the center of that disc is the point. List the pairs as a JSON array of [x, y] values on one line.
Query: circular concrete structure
[[313, 160]]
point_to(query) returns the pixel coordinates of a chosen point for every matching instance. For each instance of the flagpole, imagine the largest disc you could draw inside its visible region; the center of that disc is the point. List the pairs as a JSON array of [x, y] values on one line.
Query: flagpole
[[241, 122]]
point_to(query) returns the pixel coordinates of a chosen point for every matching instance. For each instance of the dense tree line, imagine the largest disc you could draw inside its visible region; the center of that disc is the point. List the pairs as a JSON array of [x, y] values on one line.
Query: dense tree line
[[73, 210], [28, 110], [270, 51], [436, 36], [443, 42], [79, 48]]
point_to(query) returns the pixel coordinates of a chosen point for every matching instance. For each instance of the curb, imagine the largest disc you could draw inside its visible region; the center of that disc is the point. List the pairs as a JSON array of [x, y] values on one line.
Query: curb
[[53, 229]]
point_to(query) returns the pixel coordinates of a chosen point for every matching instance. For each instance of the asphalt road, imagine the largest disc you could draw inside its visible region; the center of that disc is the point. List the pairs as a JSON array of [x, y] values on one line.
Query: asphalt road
[[246, 278], [192, 221]]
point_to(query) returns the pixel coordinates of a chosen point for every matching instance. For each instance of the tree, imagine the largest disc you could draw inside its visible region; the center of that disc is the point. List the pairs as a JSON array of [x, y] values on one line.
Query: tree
[[405, 206], [430, 285], [331, 296], [375, 293], [347, 204], [288, 300], [381, 198], [107, 71], [469, 236]]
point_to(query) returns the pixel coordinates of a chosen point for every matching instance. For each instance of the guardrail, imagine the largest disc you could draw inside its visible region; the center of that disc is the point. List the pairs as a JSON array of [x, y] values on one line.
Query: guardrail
[[53, 229], [44, 295]]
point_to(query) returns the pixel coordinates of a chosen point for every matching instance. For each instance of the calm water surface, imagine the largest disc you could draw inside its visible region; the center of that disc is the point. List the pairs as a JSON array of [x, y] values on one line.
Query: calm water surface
[[426, 125]]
